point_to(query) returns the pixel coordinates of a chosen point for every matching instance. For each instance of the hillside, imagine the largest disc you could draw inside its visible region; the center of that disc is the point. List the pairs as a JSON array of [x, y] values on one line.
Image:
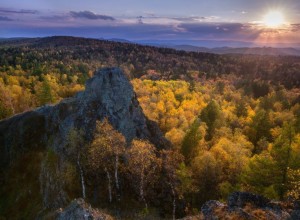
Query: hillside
[[157, 137], [72, 55]]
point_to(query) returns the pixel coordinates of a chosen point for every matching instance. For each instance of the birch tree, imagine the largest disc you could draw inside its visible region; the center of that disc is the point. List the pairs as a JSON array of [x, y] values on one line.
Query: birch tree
[[76, 144], [171, 161], [105, 152], [142, 166]]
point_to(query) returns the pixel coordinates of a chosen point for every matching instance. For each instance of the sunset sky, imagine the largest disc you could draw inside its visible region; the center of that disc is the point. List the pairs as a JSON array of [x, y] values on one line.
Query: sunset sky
[[198, 22]]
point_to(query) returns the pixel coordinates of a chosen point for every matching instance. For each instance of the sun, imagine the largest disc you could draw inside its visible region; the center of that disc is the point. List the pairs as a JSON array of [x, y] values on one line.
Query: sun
[[274, 19]]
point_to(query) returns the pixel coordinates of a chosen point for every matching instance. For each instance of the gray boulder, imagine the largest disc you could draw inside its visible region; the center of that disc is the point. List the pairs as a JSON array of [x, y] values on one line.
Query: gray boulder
[[209, 207], [240, 199], [80, 210]]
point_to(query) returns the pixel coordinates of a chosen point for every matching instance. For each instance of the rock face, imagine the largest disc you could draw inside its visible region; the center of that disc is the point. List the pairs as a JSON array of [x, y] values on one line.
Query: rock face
[[244, 205], [208, 208], [241, 199], [108, 94]]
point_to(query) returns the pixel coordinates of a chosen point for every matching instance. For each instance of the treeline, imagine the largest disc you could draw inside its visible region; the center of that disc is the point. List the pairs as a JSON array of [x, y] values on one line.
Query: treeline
[[34, 72], [20, 92], [72, 55]]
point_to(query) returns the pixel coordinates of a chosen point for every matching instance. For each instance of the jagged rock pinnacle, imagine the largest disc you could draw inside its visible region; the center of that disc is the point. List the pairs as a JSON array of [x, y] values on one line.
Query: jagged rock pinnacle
[[107, 94]]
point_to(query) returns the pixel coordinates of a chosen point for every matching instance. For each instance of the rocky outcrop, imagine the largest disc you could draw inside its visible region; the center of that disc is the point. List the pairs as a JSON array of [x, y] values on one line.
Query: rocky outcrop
[[208, 208], [244, 205], [108, 94], [296, 212], [241, 199], [20, 133], [78, 209]]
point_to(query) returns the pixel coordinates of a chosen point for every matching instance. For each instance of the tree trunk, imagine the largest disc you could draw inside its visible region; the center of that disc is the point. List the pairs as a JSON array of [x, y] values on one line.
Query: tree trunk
[[109, 185], [174, 201], [116, 177], [142, 189], [81, 177]]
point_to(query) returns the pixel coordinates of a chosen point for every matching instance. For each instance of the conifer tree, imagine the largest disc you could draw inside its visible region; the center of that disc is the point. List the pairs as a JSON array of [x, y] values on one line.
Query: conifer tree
[[211, 115], [191, 140]]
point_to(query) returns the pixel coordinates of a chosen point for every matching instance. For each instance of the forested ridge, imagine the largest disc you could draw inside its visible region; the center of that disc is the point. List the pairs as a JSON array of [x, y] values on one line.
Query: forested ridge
[[233, 121], [31, 67]]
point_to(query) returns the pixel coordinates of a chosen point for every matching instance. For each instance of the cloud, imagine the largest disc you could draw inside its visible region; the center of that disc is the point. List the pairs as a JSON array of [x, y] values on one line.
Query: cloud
[[295, 27], [154, 19], [238, 35], [192, 19], [22, 11], [2, 18], [179, 30], [54, 17], [212, 28], [90, 15]]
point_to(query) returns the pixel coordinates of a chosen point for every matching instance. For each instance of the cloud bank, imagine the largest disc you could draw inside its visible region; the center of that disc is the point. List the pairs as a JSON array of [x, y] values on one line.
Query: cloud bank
[[90, 15], [30, 23], [3, 18], [21, 11]]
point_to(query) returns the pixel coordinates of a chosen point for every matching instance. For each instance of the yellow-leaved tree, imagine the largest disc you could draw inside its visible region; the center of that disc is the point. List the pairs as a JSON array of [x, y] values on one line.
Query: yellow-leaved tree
[[105, 152]]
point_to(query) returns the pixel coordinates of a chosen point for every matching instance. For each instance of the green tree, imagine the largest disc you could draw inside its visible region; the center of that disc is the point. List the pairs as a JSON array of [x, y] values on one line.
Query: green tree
[[259, 128], [282, 154], [267, 172], [297, 119], [212, 116], [46, 95], [261, 175], [206, 176], [191, 140], [241, 109]]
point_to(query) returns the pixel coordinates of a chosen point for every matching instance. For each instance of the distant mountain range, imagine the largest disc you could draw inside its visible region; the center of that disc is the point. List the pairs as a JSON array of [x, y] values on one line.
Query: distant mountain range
[[243, 50], [213, 47], [12, 39], [236, 47], [167, 63]]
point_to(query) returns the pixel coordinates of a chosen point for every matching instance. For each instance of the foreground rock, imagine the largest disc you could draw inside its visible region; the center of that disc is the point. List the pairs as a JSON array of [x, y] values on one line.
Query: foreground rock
[[244, 205], [108, 94], [80, 210]]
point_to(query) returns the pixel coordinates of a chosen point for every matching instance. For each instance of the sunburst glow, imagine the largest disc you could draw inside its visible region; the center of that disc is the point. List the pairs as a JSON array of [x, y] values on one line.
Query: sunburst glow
[[274, 19]]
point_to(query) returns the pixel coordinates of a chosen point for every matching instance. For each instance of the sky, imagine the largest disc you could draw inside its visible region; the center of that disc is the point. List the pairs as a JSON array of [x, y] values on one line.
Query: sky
[[197, 22]]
